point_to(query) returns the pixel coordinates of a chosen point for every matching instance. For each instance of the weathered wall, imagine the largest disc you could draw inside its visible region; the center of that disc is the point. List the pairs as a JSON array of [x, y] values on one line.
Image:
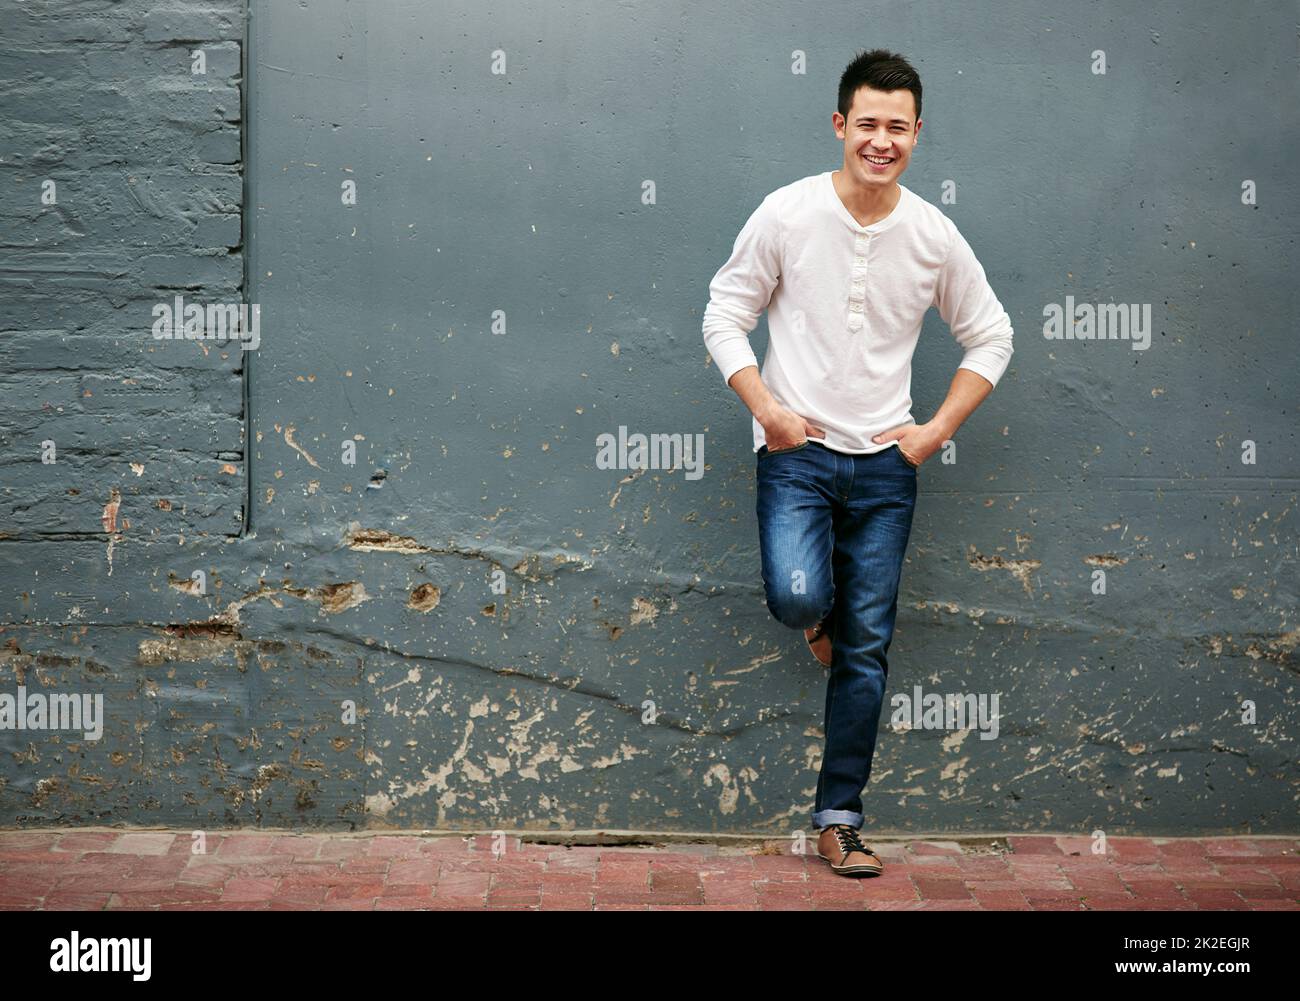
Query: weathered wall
[[499, 609]]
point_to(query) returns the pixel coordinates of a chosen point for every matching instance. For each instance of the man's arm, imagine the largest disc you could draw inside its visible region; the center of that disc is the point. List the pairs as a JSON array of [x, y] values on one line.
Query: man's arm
[[782, 427], [981, 326], [738, 294]]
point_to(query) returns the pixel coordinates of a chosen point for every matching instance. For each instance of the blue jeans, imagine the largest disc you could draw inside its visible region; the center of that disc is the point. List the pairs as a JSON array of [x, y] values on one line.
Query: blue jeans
[[833, 528]]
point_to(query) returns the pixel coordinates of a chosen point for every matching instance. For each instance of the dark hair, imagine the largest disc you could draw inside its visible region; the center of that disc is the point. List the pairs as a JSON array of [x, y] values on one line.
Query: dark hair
[[878, 69]]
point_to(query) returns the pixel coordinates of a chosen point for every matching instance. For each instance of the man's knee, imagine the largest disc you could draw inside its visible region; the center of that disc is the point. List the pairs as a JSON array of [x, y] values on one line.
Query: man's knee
[[799, 610]]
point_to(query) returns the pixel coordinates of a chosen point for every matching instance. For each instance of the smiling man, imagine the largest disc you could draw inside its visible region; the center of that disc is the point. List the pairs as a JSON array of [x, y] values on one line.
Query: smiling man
[[846, 263]]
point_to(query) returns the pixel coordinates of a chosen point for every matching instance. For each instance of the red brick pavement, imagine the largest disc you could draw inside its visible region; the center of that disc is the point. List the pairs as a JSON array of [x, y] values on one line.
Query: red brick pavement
[[156, 870]]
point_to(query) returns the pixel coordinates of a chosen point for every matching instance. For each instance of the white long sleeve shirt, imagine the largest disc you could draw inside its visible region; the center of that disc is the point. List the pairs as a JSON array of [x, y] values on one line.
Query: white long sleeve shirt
[[844, 307]]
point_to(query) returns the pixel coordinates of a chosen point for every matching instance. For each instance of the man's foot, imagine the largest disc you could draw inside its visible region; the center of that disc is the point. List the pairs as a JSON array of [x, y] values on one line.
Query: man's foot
[[819, 641], [839, 845]]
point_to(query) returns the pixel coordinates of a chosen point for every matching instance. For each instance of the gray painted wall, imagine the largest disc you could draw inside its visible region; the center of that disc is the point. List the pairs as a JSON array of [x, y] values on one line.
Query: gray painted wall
[[498, 608]]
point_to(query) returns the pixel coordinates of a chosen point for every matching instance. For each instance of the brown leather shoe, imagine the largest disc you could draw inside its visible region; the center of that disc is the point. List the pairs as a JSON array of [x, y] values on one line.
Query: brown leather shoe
[[839, 845], [819, 641]]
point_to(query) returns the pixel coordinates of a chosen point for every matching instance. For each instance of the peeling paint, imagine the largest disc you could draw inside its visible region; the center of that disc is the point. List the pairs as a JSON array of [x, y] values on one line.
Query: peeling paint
[[288, 440], [1020, 569], [424, 597]]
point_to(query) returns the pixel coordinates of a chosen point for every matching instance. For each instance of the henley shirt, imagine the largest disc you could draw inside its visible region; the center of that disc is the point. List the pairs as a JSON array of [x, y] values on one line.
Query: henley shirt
[[844, 308]]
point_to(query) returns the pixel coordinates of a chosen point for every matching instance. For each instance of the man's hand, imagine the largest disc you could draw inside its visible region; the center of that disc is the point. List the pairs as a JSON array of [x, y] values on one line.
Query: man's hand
[[783, 428], [917, 442]]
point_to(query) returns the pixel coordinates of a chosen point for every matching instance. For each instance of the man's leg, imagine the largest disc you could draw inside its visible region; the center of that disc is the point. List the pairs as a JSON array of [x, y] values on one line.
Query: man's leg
[[794, 499], [871, 525]]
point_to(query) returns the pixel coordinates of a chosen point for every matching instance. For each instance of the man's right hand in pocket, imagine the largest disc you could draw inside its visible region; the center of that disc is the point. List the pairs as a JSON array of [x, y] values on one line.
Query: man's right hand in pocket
[[783, 429]]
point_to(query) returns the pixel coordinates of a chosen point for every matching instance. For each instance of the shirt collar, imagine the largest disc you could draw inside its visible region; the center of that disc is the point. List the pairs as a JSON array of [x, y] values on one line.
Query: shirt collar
[[904, 202]]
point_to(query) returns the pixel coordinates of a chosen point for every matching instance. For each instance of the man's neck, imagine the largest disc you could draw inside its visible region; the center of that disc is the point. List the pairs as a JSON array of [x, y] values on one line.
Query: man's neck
[[867, 205]]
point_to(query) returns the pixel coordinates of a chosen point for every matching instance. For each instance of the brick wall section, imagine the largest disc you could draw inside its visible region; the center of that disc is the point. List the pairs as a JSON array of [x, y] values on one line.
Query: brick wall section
[[146, 159]]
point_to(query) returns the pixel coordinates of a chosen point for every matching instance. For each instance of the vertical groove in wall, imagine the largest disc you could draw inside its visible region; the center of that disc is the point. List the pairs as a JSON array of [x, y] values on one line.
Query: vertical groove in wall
[[245, 124]]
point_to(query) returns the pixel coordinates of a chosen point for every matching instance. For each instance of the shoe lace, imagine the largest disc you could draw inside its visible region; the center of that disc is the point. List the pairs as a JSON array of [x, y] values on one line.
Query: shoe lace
[[849, 841]]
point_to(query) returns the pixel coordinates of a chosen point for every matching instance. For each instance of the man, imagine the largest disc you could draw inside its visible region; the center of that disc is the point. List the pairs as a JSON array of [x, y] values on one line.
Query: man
[[847, 263]]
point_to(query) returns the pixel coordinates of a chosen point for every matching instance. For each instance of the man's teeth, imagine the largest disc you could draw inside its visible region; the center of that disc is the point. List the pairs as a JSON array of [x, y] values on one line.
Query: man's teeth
[[877, 159]]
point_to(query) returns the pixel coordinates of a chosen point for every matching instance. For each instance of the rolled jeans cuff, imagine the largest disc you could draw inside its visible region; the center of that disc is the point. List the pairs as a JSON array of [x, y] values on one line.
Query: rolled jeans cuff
[[826, 818]]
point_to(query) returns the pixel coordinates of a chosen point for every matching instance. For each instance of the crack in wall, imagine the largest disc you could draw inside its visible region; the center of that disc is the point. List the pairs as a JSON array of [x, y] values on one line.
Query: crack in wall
[[525, 563]]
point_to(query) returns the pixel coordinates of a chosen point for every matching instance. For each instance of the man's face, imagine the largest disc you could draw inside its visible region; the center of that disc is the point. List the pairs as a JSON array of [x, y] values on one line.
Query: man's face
[[878, 135]]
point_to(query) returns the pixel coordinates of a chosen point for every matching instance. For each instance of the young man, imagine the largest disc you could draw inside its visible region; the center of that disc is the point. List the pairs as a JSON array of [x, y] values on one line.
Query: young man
[[847, 263]]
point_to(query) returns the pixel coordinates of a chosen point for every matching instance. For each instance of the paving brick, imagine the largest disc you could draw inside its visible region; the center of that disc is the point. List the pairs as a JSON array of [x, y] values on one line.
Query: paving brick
[[933, 848], [949, 905], [566, 901], [1180, 847], [220, 905], [1146, 889], [568, 882], [1133, 849], [908, 905], [1102, 882], [418, 870], [1034, 845], [933, 888], [611, 895], [142, 843], [177, 894], [836, 902], [682, 882], [411, 903], [17, 903], [729, 894], [390, 847], [340, 848], [297, 845], [239, 888], [37, 884], [83, 841], [982, 868], [1229, 847], [245, 846], [366, 903], [1000, 900], [458, 897], [70, 900], [1253, 893], [874, 889], [1216, 899], [464, 883], [367, 865], [12, 842]]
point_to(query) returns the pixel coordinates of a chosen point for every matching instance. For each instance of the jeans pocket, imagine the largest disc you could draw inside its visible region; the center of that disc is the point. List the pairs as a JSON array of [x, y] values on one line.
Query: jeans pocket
[[764, 452], [909, 465]]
